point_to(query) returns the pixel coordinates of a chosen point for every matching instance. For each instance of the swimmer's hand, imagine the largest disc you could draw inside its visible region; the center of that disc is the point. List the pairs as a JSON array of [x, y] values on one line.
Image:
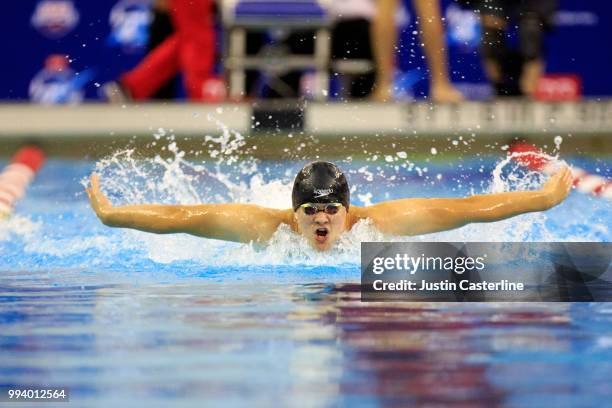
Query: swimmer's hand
[[558, 186], [99, 202]]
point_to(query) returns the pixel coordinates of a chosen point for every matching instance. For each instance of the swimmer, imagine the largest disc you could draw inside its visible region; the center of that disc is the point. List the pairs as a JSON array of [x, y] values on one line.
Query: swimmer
[[321, 211]]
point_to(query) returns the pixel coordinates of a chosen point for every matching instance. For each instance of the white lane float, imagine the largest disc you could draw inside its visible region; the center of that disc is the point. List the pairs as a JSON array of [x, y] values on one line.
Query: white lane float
[[532, 157], [16, 177]]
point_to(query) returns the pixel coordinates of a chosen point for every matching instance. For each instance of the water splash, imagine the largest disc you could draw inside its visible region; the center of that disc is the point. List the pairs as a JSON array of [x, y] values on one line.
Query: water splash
[[510, 175], [18, 226], [558, 140], [173, 180]]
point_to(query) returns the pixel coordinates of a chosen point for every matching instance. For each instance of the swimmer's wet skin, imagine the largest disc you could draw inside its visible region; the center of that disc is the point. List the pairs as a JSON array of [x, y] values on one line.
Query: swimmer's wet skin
[[321, 211]]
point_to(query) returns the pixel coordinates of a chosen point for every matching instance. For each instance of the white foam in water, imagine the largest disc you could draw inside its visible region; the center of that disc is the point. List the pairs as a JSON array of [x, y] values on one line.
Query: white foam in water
[[288, 247], [19, 226], [76, 246]]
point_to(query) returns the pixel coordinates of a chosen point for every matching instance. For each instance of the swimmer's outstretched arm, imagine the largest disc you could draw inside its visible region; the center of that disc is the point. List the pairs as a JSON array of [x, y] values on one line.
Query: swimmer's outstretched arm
[[426, 215], [229, 222]]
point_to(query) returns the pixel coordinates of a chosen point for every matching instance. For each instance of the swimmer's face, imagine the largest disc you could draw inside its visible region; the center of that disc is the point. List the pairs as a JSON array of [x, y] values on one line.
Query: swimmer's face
[[321, 229]]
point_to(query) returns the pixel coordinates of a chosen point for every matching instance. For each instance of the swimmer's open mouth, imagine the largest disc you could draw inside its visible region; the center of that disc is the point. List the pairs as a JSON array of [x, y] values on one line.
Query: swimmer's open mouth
[[321, 232]]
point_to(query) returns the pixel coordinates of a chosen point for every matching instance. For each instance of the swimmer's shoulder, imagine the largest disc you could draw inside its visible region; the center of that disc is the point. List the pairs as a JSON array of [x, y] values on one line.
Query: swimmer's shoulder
[[286, 217], [266, 220], [355, 214], [373, 213]]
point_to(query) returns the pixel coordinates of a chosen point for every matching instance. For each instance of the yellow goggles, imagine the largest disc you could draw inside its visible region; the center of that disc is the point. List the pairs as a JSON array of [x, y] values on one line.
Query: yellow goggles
[[328, 208]]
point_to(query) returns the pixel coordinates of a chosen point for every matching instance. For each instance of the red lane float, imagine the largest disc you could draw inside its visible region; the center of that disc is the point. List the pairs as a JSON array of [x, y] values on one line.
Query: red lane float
[[532, 157], [16, 177]]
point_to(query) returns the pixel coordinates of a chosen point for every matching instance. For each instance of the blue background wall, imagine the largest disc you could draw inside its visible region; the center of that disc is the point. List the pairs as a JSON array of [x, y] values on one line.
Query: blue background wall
[[577, 46]]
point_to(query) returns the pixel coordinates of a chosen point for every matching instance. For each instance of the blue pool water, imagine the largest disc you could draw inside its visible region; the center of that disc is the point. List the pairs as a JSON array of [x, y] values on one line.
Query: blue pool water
[[122, 316]]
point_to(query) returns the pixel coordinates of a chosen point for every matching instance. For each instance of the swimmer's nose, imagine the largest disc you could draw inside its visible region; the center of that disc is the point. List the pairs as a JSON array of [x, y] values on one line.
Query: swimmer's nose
[[321, 218]]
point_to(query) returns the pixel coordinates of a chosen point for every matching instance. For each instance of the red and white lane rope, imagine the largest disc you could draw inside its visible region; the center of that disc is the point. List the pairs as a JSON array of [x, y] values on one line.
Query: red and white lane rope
[[532, 157], [16, 177]]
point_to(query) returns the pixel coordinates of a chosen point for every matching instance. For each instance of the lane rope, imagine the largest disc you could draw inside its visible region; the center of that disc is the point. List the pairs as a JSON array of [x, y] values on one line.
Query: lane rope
[[16, 177], [534, 159]]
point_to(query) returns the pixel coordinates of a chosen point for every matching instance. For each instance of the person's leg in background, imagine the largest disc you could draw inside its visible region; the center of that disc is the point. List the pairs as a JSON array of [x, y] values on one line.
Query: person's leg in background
[[191, 49], [493, 47], [156, 69], [432, 35], [535, 18], [384, 33], [160, 29], [384, 36], [502, 64], [351, 40], [159, 66], [194, 23]]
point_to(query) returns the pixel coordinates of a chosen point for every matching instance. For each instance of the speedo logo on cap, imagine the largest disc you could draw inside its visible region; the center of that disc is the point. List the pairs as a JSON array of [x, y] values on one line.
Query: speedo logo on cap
[[322, 192]]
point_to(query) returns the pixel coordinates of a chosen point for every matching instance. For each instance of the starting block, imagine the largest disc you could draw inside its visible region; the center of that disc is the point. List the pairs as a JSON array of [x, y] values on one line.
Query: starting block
[[242, 16]]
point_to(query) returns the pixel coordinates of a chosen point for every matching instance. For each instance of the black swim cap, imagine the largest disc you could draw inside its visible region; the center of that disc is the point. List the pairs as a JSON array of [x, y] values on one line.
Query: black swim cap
[[320, 182]]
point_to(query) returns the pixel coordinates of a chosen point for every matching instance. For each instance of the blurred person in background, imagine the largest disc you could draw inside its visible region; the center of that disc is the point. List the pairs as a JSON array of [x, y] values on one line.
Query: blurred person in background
[[431, 30], [190, 49], [513, 71], [161, 28], [352, 42]]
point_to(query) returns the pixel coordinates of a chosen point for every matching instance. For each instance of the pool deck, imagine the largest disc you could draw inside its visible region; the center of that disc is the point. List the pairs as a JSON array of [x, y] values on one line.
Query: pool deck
[[77, 130]]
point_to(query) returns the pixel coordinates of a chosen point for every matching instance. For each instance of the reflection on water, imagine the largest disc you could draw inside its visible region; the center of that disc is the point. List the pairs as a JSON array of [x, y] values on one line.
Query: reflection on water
[[297, 345]]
